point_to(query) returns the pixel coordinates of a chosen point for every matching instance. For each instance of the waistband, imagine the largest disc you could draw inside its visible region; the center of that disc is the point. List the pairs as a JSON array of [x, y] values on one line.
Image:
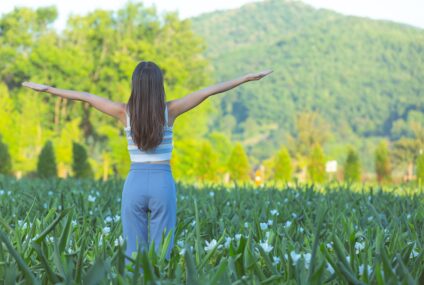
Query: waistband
[[142, 166]]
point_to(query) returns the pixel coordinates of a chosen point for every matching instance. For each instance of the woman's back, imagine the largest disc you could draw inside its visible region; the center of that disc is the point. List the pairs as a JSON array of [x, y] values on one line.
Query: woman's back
[[162, 152]]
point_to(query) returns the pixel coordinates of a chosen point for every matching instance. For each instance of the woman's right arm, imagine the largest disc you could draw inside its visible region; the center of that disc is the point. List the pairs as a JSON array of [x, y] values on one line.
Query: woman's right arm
[[188, 102]]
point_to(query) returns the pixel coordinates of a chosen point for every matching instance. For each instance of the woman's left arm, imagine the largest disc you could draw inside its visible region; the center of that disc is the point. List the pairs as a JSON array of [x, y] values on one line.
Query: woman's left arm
[[114, 109]]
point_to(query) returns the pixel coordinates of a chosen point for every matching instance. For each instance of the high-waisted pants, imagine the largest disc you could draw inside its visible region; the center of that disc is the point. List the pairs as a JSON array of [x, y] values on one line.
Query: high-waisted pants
[[150, 188]]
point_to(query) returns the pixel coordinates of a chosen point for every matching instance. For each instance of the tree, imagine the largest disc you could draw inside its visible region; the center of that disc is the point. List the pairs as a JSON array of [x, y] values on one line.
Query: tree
[[238, 164], [420, 168], [207, 163], [80, 165], [282, 165], [5, 160], [46, 165], [352, 167], [382, 162], [316, 165]]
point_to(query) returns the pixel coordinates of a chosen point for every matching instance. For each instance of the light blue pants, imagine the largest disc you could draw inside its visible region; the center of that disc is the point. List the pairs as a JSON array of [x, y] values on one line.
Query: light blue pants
[[148, 188]]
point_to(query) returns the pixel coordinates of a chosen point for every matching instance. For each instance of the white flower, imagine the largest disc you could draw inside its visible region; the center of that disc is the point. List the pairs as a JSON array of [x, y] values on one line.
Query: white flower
[[50, 193], [101, 241], [329, 245], [294, 256], [119, 241], [276, 260], [307, 257], [9, 193], [266, 247], [237, 236], [370, 218], [301, 229], [264, 226], [106, 230], [182, 251], [270, 222], [330, 268], [348, 258], [90, 212], [286, 200], [359, 246], [294, 215], [274, 212], [211, 193], [288, 224], [362, 268], [45, 205], [108, 219], [1, 192], [211, 245], [117, 217], [91, 198], [228, 203], [193, 223], [180, 243], [413, 254], [408, 216], [227, 242], [267, 235], [246, 225], [23, 224]]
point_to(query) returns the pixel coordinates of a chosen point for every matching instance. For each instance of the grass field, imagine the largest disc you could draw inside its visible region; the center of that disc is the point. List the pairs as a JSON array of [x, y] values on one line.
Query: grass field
[[69, 232]]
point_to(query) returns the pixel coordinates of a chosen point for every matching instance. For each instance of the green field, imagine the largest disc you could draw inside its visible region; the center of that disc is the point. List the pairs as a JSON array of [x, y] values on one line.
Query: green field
[[68, 231]]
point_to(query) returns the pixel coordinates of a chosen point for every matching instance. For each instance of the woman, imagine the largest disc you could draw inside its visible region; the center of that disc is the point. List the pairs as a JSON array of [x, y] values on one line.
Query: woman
[[148, 121]]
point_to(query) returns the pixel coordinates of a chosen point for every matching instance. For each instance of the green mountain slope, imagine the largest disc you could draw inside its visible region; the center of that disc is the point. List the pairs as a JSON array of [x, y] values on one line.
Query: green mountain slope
[[364, 77]]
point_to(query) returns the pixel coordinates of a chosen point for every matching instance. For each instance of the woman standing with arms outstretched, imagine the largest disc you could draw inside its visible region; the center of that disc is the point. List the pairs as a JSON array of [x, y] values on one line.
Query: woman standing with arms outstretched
[[148, 121]]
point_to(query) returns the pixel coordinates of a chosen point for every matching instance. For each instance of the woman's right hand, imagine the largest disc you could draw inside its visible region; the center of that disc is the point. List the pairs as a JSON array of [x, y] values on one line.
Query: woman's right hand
[[36, 86]]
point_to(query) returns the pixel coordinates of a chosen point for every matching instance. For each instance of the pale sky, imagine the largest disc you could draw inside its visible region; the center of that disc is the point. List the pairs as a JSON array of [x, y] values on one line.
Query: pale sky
[[406, 11]]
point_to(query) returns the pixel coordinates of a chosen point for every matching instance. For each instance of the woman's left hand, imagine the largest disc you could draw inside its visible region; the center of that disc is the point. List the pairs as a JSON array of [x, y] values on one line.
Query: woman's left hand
[[36, 86]]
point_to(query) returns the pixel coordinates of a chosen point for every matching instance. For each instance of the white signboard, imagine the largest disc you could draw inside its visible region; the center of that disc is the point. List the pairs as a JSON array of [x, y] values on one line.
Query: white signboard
[[331, 166]]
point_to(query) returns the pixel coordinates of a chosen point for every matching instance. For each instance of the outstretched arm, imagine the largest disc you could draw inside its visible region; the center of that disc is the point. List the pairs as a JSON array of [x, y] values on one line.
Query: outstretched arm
[[188, 102], [114, 109]]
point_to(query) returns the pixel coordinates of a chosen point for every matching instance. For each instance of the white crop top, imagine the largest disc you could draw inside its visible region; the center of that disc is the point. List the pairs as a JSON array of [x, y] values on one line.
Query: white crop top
[[161, 152]]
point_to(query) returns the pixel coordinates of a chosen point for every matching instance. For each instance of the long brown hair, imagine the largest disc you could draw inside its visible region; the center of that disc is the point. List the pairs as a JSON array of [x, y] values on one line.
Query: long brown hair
[[146, 105]]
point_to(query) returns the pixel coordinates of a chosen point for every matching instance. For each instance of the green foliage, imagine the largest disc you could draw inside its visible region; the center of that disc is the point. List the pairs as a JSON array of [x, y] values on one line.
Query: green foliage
[[96, 53], [362, 81], [382, 162], [420, 168], [316, 165], [46, 165], [49, 245], [5, 160], [352, 167], [80, 165], [207, 166], [282, 165], [238, 164]]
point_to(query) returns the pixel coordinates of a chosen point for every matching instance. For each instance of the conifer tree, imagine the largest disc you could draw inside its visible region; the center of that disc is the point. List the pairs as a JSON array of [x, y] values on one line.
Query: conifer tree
[[352, 167], [420, 168], [80, 165], [316, 165], [238, 164], [5, 159], [207, 163], [46, 165], [382, 162], [282, 165]]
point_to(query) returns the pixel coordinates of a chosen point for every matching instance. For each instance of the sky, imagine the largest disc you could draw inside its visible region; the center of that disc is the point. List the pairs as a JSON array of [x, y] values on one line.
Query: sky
[[405, 11]]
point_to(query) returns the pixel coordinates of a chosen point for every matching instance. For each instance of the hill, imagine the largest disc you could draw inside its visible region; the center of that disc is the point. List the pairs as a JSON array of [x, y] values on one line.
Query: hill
[[362, 76]]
